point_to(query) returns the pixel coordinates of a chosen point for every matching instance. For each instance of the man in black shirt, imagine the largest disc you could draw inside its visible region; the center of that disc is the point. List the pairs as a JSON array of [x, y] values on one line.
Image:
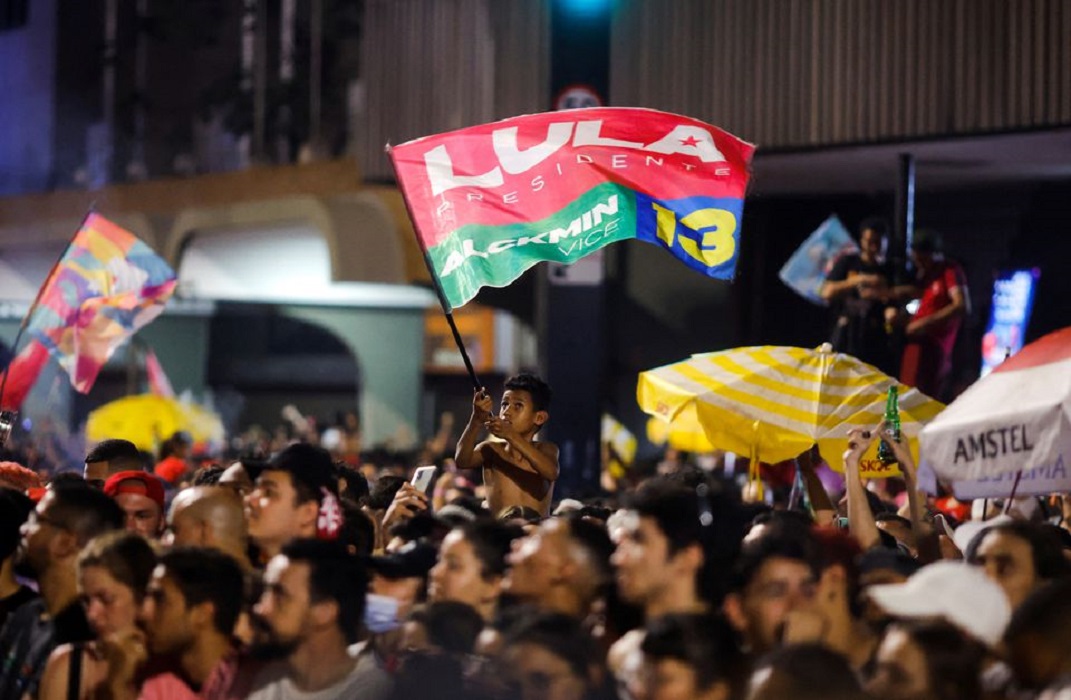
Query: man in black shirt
[[14, 507], [858, 288], [65, 520]]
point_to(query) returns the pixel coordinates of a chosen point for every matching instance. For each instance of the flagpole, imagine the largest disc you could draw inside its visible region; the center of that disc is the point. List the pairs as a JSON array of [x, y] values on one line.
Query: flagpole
[[447, 311], [1015, 487], [36, 301]]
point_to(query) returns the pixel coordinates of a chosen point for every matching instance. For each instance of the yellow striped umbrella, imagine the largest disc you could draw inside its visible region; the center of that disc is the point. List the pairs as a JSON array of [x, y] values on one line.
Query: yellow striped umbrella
[[684, 433], [776, 402]]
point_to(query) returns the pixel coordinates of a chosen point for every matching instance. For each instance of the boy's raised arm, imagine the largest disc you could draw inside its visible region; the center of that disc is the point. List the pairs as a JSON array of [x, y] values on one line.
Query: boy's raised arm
[[466, 456], [542, 456]]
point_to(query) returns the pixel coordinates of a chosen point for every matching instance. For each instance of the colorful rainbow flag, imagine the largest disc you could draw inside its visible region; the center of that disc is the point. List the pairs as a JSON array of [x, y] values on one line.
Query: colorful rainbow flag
[[490, 201], [106, 286]]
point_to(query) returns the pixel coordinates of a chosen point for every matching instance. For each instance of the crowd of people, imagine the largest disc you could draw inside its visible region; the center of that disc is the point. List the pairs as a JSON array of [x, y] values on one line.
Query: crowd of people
[[305, 575]]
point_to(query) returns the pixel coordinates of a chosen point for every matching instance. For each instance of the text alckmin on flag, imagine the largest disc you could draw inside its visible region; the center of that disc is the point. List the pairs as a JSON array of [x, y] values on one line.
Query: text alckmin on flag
[[490, 201]]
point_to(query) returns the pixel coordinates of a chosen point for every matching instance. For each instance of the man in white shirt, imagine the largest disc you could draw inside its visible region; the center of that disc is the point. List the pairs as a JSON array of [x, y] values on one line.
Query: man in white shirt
[[309, 613]]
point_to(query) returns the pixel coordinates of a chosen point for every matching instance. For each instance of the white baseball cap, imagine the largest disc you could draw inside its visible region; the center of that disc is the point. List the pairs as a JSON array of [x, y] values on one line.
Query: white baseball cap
[[966, 532], [959, 593]]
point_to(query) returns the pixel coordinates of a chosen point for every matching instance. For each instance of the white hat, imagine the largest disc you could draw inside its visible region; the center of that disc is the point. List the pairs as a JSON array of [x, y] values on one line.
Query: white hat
[[960, 593], [970, 529]]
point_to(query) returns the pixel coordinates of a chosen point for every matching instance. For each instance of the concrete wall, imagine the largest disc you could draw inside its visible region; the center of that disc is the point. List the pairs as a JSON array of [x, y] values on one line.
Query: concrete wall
[[388, 345], [181, 345]]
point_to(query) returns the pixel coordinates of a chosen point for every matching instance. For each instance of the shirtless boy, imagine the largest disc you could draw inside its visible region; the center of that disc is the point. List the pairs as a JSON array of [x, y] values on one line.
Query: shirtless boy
[[517, 469]]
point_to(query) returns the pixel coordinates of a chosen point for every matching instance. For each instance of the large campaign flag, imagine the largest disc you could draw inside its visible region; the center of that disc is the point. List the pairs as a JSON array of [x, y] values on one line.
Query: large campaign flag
[[490, 201], [105, 287]]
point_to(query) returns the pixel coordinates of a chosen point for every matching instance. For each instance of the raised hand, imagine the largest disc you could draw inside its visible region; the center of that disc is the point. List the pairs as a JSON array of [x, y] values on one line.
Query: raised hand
[[861, 522], [124, 653], [407, 503], [859, 441], [500, 428], [481, 405], [899, 448]]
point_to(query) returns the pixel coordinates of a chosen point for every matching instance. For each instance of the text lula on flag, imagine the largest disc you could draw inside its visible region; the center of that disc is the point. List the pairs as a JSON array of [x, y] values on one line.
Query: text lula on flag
[[106, 286], [490, 201]]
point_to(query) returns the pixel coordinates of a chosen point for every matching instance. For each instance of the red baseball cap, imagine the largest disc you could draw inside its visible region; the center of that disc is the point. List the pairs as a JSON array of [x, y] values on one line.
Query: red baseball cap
[[141, 483]]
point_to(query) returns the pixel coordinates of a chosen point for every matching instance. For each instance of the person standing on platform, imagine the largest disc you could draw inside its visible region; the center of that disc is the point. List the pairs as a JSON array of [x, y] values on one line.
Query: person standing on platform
[[930, 333], [858, 289]]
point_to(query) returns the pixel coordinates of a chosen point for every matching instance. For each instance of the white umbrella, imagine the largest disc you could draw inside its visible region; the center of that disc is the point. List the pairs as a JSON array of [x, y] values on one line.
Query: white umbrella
[[1014, 421]]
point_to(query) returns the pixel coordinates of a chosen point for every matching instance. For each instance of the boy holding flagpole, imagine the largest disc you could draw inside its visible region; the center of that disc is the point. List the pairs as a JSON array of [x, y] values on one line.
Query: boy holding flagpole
[[518, 470]]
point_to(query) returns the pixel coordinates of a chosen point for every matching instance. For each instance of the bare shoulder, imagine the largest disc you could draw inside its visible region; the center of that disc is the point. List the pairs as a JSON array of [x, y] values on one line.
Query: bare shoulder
[[61, 655], [57, 670], [546, 447]]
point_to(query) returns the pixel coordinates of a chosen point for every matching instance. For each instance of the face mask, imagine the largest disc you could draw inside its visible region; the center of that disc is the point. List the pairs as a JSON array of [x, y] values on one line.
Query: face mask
[[380, 613]]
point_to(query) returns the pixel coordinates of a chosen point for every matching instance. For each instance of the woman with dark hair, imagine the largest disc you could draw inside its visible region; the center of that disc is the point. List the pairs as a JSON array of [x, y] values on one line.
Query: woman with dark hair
[[113, 571], [1020, 556], [472, 562], [927, 660]]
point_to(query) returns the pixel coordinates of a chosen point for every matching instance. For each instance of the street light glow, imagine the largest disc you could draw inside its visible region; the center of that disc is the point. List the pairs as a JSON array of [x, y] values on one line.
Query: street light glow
[[585, 8]]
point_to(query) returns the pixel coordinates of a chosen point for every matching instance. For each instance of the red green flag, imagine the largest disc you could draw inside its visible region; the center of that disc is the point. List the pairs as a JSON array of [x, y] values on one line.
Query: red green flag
[[490, 201]]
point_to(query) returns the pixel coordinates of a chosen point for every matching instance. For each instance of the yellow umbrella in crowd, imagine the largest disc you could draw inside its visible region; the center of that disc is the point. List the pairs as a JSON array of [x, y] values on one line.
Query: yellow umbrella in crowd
[[774, 403], [147, 420], [683, 433]]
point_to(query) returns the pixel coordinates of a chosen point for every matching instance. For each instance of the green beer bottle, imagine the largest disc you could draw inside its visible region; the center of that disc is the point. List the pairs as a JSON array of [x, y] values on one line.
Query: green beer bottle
[[892, 419]]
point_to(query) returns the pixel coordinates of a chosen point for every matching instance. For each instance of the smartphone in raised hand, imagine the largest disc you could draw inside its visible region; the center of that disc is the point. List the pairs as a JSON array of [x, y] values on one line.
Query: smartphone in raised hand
[[422, 478]]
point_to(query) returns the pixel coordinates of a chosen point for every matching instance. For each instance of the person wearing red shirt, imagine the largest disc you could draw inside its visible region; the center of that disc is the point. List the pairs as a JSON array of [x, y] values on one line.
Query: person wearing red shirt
[[930, 334], [173, 466]]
